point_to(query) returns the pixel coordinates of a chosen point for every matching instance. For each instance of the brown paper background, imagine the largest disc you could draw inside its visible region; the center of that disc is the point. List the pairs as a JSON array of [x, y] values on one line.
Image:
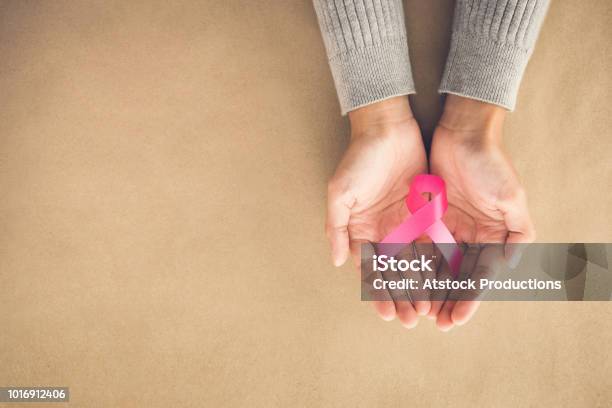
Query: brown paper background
[[163, 169]]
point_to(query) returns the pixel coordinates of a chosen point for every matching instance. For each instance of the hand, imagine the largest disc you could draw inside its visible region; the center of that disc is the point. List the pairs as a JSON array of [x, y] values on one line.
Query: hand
[[487, 204], [366, 194]]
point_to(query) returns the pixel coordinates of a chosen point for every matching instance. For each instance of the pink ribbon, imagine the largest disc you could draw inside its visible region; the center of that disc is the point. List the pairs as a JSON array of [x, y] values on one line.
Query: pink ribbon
[[426, 218]]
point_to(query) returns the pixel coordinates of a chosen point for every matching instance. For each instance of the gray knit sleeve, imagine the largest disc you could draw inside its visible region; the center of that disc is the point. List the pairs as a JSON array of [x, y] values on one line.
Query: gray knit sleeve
[[367, 50], [491, 43]]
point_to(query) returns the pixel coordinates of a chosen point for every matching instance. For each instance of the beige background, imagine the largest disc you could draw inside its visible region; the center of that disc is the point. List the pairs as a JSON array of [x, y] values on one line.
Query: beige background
[[162, 175]]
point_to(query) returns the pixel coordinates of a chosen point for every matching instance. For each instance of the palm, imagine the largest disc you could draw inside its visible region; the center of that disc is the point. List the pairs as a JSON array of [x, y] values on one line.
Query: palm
[[477, 177], [379, 170]]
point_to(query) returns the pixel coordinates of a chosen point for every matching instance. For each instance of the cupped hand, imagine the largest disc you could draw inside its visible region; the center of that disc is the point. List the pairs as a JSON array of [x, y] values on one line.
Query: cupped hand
[[366, 194], [487, 203]]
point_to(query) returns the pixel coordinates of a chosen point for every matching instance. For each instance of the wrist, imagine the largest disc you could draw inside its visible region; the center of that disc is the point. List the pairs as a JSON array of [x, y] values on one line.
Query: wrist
[[467, 115], [386, 113]]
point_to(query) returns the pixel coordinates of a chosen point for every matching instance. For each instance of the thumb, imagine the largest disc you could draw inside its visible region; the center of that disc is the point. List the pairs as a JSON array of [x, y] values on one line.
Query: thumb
[[336, 228], [520, 227]]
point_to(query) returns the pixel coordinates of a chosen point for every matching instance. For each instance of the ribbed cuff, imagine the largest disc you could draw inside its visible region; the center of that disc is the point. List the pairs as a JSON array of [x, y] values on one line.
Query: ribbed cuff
[[368, 75], [483, 69]]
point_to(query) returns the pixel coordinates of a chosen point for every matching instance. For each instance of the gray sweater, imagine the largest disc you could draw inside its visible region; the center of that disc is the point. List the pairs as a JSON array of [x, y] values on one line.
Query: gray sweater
[[366, 45]]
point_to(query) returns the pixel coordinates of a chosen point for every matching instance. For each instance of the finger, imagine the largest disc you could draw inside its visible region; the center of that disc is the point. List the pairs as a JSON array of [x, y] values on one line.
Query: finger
[[469, 260], [438, 296], [422, 304], [338, 215], [406, 314], [444, 320], [436, 306], [385, 309], [519, 224], [488, 260], [362, 251], [382, 301], [442, 306], [418, 296], [404, 307], [463, 311]]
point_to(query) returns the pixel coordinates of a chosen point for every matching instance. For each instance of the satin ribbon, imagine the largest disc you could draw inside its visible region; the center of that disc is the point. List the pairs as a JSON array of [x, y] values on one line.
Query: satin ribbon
[[426, 218]]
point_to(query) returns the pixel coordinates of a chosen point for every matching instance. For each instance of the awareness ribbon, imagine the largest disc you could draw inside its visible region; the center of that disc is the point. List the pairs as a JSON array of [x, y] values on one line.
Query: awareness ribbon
[[426, 218]]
